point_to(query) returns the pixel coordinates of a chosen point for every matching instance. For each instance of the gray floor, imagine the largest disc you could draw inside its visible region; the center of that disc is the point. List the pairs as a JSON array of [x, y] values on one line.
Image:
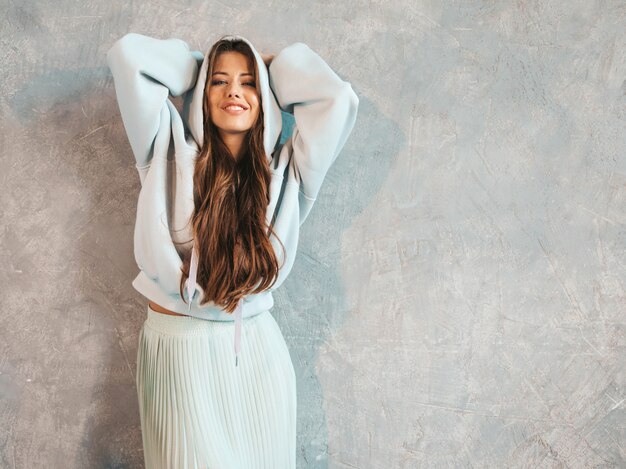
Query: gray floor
[[459, 295]]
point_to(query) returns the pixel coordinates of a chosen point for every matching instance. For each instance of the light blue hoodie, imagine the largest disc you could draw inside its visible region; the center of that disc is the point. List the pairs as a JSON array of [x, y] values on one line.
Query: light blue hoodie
[[146, 70]]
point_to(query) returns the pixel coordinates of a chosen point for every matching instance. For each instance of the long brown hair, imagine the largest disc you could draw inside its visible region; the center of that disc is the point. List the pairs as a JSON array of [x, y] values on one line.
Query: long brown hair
[[235, 255]]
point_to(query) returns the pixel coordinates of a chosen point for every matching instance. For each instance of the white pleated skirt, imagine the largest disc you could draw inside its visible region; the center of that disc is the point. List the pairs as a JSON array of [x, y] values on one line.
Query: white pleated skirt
[[200, 411]]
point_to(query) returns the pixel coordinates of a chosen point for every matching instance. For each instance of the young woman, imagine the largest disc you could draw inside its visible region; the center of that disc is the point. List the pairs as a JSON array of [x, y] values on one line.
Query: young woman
[[225, 189]]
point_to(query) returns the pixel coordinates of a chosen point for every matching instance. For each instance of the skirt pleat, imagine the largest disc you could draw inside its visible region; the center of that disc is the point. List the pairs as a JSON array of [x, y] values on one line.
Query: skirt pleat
[[200, 411]]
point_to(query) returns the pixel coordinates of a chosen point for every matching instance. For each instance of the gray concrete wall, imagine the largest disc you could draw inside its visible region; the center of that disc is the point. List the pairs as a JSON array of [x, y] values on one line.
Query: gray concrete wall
[[459, 295]]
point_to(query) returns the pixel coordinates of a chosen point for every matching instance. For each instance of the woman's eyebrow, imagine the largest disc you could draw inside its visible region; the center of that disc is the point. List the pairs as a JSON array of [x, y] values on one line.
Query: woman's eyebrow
[[224, 73]]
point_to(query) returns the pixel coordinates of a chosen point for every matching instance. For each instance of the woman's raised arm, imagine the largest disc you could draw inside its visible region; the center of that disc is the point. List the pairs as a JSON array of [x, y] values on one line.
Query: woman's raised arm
[[324, 108], [145, 70]]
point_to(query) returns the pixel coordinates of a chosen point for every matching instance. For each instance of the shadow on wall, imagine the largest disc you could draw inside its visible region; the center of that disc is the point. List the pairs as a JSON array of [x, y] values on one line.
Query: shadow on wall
[[310, 307]]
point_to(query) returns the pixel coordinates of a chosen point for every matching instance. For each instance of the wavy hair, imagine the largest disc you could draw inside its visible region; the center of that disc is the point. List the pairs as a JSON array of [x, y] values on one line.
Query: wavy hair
[[235, 255]]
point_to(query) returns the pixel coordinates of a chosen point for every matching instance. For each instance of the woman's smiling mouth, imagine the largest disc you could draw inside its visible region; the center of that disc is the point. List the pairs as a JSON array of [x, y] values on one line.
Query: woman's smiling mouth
[[234, 108]]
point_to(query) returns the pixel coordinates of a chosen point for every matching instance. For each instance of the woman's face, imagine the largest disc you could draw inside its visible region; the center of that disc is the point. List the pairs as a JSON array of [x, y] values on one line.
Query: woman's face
[[233, 81]]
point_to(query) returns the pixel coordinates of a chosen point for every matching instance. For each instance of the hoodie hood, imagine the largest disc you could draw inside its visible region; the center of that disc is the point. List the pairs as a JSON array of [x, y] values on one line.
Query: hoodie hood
[[272, 121]]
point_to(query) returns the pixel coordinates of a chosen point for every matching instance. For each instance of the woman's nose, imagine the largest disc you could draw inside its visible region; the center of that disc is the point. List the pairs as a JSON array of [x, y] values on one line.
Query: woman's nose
[[234, 90]]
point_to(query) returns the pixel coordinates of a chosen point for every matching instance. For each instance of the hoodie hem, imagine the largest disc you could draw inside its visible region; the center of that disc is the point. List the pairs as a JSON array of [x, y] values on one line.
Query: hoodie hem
[[252, 305]]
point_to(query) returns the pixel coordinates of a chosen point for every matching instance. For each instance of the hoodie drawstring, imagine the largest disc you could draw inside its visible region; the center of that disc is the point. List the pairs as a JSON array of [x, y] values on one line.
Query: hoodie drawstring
[[191, 281], [191, 290], [238, 322]]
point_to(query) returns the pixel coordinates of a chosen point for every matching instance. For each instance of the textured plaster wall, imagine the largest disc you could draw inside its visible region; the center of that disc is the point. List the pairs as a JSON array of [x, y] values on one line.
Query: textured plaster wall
[[459, 295]]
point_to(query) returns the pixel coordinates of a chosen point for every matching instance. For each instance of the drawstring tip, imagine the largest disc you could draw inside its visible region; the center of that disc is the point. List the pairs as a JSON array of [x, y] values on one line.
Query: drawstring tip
[[238, 320]]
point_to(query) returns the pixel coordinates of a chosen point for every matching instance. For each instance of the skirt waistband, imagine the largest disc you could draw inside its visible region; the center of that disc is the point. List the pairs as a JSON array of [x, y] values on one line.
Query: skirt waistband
[[189, 325]]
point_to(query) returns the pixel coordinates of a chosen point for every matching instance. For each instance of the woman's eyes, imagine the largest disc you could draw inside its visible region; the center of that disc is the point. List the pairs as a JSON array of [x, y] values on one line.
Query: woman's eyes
[[216, 82]]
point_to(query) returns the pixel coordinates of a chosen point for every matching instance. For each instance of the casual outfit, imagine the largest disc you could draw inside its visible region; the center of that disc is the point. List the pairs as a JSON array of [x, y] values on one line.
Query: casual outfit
[[200, 406]]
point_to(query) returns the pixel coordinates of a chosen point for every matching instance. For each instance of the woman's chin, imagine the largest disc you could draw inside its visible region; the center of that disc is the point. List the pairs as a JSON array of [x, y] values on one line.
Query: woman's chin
[[234, 129]]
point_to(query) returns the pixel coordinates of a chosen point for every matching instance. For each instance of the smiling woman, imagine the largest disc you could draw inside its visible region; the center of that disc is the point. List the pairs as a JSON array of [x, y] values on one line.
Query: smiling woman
[[229, 239]]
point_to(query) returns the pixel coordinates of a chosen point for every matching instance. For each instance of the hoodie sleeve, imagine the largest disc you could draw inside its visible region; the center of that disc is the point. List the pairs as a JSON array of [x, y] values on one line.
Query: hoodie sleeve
[[324, 108], [145, 70]]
